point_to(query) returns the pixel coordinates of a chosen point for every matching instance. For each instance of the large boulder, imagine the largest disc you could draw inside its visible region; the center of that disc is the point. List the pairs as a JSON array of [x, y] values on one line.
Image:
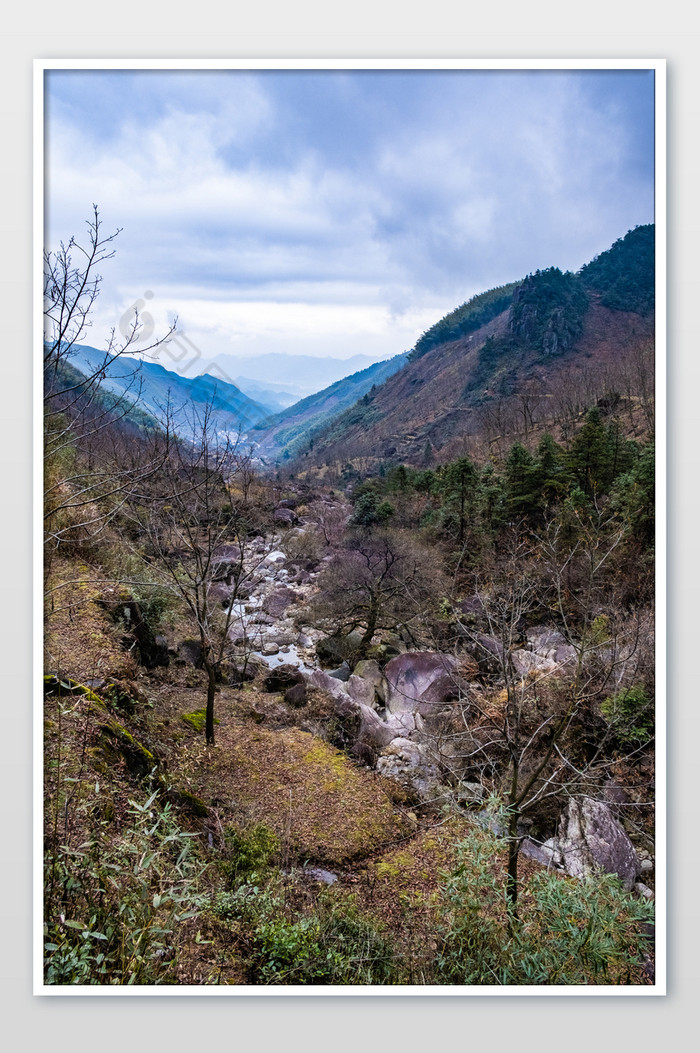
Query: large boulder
[[590, 839], [332, 650], [285, 517], [283, 677], [226, 563], [336, 688], [361, 690], [487, 651], [419, 681]]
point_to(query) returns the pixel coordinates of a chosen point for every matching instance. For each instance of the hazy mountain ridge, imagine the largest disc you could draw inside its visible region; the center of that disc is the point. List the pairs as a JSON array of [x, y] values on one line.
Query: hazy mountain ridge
[[300, 375], [288, 432], [153, 388]]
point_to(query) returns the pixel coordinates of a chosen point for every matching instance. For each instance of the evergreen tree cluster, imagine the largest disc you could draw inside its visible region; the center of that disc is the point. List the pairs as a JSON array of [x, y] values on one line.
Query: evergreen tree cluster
[[599, 466], [624, 275], [548, 310], [466, 318]]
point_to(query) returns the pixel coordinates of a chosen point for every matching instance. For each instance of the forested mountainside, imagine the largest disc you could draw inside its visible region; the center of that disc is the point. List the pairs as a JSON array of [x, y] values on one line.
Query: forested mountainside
[[521, 359]]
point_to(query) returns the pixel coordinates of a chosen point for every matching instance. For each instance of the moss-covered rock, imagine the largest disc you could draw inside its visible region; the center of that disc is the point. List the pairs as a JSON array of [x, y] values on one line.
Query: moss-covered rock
[[55, 685], [197, 719], [115, 739]]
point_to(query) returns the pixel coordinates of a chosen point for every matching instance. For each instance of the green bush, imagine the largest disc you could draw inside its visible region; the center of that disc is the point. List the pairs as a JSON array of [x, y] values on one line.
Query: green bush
[[114, 906], [248, 851], [630, 713], [567, 931]]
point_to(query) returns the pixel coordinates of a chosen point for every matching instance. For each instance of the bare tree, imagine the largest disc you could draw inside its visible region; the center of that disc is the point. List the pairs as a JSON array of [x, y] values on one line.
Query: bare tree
[[535, 734], [196, 517], [378, 580], [87, 475]]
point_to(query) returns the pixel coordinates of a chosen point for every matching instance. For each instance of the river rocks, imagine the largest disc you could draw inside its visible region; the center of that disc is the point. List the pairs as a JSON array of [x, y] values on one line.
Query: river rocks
[[334, 649], [283, 677], [296, 695], [227, 563], [550, 644], [470, 792], [341, 673], [334, 687], [420, 681], [285, 517], [374, 733], [370, 673], [590, 838], [488, 652], [277, 602], [361, 690]]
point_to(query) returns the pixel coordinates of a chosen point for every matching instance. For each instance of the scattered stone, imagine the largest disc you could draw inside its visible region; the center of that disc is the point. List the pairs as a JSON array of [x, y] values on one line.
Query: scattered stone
[[469, 792], [334, 649], [361, 690], [277, 602], [371, 673], [286, 517], [643, 890], [336, 688], [341, 673], [527, 663], [488, 652], [319, 874], [409, 764], [282, 677]]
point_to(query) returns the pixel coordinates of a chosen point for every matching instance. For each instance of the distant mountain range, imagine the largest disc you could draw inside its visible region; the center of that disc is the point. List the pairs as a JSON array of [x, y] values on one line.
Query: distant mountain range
[[151, 388], [297, 375], [506, 347], [291, 431]]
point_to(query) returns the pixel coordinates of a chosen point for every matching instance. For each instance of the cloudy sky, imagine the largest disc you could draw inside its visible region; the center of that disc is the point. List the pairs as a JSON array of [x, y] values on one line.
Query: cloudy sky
[[336, 212]]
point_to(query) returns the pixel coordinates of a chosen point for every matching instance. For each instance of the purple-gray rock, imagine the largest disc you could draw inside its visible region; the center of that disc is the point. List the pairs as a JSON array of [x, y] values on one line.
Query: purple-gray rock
[[418, 681]]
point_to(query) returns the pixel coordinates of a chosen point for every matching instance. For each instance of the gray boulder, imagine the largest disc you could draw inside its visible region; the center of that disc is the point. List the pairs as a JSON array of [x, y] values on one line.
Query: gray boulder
[[361, 690], [370, 672], [336, 688], [590, 839], [285, 517], [550, 643], [418, 681], [526, 663]]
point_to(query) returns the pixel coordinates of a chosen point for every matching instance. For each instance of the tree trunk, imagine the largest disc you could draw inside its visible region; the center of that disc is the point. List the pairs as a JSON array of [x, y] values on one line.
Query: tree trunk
[[211, 691], [369, 632], [513, 852]]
